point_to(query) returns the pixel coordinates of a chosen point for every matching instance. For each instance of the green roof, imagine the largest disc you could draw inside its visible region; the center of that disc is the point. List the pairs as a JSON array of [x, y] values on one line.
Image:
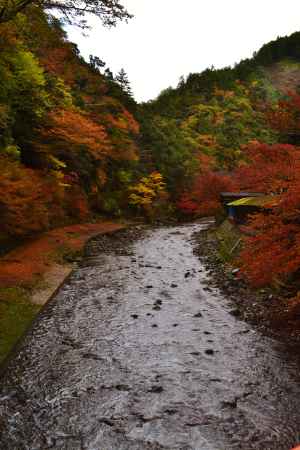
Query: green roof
[[253, 201]]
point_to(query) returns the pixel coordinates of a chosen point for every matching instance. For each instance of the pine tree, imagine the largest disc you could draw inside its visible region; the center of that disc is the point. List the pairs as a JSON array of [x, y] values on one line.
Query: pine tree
[[108, 74], [122, 80], [96, 63]]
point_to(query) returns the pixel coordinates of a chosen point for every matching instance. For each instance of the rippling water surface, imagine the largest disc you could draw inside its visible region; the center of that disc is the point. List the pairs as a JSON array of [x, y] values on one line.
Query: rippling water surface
[[136, 352]]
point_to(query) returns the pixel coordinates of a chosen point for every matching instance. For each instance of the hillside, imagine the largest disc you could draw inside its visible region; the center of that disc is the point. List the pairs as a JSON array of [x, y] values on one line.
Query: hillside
[[284, 76], [74, 143], [219, 110], [210, 116], [68, 133]]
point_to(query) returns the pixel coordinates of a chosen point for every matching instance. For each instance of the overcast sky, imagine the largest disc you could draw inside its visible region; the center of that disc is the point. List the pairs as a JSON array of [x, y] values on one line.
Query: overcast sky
[[170, 38]]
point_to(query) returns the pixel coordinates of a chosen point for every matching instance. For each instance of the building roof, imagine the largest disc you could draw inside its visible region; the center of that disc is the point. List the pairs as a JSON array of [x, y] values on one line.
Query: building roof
[[260, 201], [242, 194]]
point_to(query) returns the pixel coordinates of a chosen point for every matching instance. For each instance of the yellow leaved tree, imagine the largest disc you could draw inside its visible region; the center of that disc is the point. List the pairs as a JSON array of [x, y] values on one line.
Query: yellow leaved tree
[[148, 194]]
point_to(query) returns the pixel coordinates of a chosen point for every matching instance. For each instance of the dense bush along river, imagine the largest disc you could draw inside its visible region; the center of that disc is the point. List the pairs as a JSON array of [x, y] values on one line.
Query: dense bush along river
[[137, 352]]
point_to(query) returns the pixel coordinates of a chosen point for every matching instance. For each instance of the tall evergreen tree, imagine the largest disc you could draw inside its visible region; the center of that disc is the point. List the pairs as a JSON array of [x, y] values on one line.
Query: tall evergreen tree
[[123, 81], [96, 63], [109, 75]]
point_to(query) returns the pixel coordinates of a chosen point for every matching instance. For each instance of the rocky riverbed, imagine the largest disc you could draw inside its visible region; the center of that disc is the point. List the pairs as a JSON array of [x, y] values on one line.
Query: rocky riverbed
[[137, 351]]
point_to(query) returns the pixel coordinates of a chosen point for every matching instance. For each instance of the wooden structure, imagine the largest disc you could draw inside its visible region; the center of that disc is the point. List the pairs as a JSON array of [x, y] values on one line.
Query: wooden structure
[[239, 205]]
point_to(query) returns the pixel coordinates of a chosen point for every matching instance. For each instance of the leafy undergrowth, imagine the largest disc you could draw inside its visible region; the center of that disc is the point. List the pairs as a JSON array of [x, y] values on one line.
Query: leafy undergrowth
[[22, 271], [229, 238], [25, 265], [16, 314]]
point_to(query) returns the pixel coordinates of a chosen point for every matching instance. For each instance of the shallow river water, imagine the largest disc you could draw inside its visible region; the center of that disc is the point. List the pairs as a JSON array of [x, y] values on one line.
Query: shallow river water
[[135, 352]]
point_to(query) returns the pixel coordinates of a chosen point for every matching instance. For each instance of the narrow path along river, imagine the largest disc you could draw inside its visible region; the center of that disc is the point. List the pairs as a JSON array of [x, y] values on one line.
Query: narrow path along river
[[135, 352]]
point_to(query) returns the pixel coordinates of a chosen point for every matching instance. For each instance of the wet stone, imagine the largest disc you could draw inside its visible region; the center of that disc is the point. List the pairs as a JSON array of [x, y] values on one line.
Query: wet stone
[[209, 351], [193, 424], [230, 403], [207, 288], [171, 412], [156, 389], [235, 312], [123, 387]]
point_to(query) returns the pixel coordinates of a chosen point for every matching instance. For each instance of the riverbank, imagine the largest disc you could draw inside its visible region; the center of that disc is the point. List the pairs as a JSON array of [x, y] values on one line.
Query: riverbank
[[31, 274], [266, 309]]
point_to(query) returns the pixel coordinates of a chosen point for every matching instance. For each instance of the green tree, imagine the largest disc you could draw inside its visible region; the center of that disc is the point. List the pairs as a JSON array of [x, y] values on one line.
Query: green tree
[[165, 147], [123, 81], [73, 11], [96, 63]]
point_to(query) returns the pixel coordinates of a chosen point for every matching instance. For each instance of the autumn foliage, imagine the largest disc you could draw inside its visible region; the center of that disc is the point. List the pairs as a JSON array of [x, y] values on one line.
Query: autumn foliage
[[73, 143], [269, 168], [284, 117], [148, 194], [271, 254], [204, 197], [71, 129], [271, 251], [271, 245], [29, 201], [66, 130]]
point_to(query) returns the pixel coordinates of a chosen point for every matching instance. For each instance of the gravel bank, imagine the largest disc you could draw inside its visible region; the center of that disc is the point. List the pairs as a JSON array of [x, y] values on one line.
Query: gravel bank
[[262, 308]]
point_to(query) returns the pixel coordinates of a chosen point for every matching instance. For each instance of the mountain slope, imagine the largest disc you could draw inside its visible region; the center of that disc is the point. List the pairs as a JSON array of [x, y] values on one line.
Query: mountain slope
[[217, 112], [74, 142], [68, 135]]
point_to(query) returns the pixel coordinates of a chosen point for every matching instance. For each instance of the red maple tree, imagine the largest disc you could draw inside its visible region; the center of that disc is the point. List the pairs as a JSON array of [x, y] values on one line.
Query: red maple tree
[[204, 197]]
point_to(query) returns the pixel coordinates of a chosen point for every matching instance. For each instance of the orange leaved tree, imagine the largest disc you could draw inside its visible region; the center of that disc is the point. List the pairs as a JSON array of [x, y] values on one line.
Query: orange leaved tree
[[73, 130], [30, 201]]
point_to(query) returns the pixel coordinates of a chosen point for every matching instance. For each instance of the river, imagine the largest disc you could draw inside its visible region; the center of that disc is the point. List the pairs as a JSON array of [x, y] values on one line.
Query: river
[[135, 352]]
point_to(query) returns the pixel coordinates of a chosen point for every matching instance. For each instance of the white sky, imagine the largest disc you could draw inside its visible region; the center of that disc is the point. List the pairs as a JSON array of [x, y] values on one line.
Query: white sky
[[170, 38]]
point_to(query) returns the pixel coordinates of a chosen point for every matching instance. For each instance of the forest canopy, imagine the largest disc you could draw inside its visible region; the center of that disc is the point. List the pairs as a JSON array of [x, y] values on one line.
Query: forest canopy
[[73, 12], [74, 144]]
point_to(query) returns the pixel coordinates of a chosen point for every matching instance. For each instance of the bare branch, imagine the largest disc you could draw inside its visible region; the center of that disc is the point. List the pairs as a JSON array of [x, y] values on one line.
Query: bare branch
[[109, 11]]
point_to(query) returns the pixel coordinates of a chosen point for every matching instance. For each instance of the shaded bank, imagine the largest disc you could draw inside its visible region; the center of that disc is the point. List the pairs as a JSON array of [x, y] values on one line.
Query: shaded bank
[[267, 309]]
